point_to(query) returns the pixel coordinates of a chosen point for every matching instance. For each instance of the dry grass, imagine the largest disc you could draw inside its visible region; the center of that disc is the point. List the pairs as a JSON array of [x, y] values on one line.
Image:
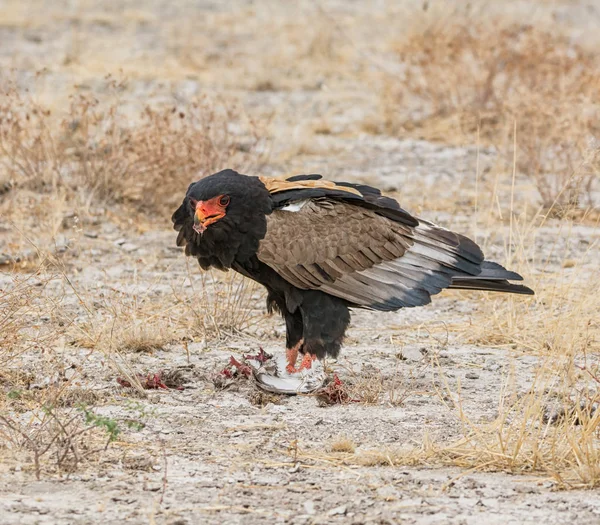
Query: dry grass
[[217, 304], [207, 306], [126, 324], [551, 427], [16, 304], [33, 379], [30, 313], [366, 386], [476, 78]]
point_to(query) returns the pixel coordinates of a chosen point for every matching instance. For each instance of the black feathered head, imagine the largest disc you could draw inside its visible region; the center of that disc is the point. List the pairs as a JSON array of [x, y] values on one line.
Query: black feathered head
[[224, 217], [229, 197]]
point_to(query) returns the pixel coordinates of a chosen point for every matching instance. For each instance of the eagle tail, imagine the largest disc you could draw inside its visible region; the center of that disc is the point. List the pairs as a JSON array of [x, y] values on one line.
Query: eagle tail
[[493, 278]]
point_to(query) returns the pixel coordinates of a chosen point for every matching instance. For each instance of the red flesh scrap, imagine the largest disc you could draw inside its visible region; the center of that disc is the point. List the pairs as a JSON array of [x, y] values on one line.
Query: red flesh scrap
[[261, 357], [335, 392], [149, 382], [245, 370]]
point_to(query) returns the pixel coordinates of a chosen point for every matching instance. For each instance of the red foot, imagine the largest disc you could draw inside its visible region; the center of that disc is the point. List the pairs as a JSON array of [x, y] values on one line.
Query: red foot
[[306, 364]]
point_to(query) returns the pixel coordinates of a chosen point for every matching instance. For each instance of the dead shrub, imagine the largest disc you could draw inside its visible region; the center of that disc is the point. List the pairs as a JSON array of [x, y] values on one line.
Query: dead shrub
[[476, 79], [58, 440], [100, 152], [22, 297]]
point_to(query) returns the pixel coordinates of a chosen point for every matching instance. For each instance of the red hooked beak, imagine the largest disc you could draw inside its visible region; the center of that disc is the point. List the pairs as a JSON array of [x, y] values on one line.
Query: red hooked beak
[[208, 212]]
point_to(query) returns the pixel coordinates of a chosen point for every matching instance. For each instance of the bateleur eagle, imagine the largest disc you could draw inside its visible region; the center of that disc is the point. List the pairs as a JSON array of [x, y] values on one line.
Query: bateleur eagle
[[321, 248]]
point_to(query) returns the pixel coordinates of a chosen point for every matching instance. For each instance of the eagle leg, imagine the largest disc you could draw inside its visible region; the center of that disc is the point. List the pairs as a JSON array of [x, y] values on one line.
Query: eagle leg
[[292, 356], [307, 361]]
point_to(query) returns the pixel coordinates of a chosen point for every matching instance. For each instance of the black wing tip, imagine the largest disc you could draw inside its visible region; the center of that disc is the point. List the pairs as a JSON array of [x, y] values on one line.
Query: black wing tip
[[493, 270], [491, 286]]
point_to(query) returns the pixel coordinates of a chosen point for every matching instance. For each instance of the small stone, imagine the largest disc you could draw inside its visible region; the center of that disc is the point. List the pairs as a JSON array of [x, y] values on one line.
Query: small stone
[[472, 375], [526, 489], [411, 354], [309, 507], [91, 235], [129, 247], [338, 511]]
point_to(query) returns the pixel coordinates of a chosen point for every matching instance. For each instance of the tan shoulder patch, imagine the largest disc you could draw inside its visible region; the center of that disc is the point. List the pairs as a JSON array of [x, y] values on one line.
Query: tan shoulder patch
[[279, 185]]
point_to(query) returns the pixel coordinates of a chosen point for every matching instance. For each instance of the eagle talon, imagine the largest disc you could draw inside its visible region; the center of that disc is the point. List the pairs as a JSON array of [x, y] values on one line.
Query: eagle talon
[[292, 356], [306, 364]]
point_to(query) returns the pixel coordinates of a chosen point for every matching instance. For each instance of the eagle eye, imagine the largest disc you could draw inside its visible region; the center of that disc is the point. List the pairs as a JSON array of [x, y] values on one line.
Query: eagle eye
[[224, 200]]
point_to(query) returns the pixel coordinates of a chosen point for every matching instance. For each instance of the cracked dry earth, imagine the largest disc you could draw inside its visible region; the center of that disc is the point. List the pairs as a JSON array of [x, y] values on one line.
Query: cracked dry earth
[[208, 455]]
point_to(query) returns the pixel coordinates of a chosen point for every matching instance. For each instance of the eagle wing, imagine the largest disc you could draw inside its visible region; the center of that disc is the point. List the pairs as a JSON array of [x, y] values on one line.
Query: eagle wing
[[351, 242]]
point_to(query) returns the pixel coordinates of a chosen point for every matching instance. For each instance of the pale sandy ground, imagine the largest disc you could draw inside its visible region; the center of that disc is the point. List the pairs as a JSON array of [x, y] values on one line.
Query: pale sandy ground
[[219, 457]]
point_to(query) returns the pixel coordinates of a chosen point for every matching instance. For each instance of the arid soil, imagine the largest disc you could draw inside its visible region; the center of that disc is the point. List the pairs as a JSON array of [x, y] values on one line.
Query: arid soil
[[209, 450]]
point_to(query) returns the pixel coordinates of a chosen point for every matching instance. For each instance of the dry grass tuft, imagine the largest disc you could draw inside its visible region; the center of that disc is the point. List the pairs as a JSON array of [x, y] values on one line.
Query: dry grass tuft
[[125, 323], [371, 386], [28, 314], [474, 78], [207, 306], [366, 386], [139, 337], [342, 444], [217, 304], [16, 304]]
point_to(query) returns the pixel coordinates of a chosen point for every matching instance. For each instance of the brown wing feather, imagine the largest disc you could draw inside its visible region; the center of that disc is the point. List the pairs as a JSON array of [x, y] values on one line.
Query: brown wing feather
[[326, 240]]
